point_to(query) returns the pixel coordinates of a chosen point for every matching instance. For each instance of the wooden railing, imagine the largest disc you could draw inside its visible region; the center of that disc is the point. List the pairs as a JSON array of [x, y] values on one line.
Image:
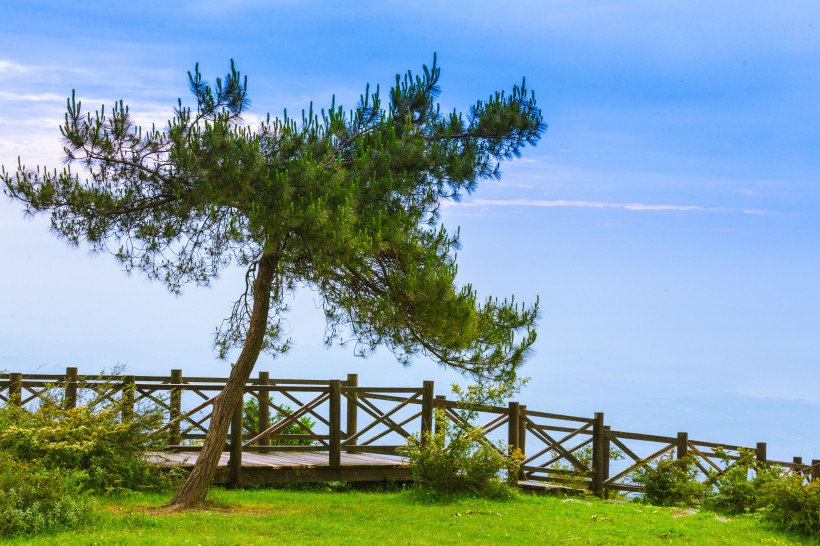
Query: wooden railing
[[346, 417]]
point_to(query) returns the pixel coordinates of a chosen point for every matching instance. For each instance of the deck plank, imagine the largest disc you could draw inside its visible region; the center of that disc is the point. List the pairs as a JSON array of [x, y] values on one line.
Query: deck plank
[[281, 459], [297, 466]]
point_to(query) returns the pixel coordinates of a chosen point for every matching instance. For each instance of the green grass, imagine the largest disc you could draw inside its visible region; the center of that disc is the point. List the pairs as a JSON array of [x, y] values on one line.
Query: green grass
[[320, 516]]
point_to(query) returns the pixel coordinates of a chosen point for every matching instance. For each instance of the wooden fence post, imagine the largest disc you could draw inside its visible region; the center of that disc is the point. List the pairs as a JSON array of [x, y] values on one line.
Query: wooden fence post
[[235, 460], [522, 437], [607, 452], [799, 468], [438, 403], [16, 389], [352, 421], [70, 401], [598, 454], [175, 405], [335, 433], [815, 469], [513, 426], [427, 411], [760, 452], [127, 400], [264, 409], [683, 445]]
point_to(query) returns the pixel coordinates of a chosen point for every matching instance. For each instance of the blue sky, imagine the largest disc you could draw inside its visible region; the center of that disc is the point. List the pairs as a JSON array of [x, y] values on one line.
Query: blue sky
[[667, 220]]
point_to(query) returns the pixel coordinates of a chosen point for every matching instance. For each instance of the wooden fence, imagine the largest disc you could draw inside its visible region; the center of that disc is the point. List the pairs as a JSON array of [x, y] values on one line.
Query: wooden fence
[[336, 416]]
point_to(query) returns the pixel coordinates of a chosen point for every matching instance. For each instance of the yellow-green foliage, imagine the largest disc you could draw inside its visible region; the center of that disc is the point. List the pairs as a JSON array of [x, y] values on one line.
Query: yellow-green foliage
[[746, 486], [460, 459], [741, 488], [672, 482], [109, 451], [792, 505], [458, 456], [34, 499]]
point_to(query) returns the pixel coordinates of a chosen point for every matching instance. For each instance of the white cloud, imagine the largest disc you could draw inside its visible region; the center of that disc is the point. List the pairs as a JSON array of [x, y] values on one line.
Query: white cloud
[[48, 123], [31, 97], [595, 205], [8, 67]]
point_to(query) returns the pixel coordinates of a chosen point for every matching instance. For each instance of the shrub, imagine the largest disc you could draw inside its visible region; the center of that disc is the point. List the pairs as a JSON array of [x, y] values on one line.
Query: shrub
[[747, 486], [250, 422], [459, 459], [111, 452], [672, 482], [780, 498], [792, 505], [457, 456], [740, 488], [34, 499]]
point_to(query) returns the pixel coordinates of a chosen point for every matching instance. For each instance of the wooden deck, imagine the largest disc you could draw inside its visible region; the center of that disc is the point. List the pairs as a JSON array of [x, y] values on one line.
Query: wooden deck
[[294, 466]]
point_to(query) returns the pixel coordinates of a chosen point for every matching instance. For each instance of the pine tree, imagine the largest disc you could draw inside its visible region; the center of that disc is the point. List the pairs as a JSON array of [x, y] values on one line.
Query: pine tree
[[344, 203]]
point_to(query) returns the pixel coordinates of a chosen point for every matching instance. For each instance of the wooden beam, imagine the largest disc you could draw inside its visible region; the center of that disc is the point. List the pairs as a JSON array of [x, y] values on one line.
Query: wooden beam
[[598, 455], [335, 433], [513, 428], [127, 400], [16, 389], [70, 400], [760, 452], [264, 408], [427, 411], [683, 445], [352, 420], [235, 461], [175, 408], [607, 458]]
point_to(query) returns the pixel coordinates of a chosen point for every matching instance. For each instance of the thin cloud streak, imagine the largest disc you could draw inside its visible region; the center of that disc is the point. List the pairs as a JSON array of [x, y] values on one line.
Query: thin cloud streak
[[596, 205], [31, 97], [9, 67]]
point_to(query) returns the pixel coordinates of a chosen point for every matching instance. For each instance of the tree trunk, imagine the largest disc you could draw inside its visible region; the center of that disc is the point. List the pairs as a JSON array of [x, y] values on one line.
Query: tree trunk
[[193, 491]]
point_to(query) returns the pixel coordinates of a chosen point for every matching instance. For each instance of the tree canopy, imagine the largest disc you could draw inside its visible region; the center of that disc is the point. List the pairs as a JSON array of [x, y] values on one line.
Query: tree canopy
[[347, 200]]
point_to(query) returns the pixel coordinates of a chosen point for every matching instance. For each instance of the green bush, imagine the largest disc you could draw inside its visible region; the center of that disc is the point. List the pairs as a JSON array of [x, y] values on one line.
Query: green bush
[[250, 423], [792, 505], [740, 489], [34, 499], [457, 457], [747, 486], [750, 486], [672, 482], [111, 452]]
